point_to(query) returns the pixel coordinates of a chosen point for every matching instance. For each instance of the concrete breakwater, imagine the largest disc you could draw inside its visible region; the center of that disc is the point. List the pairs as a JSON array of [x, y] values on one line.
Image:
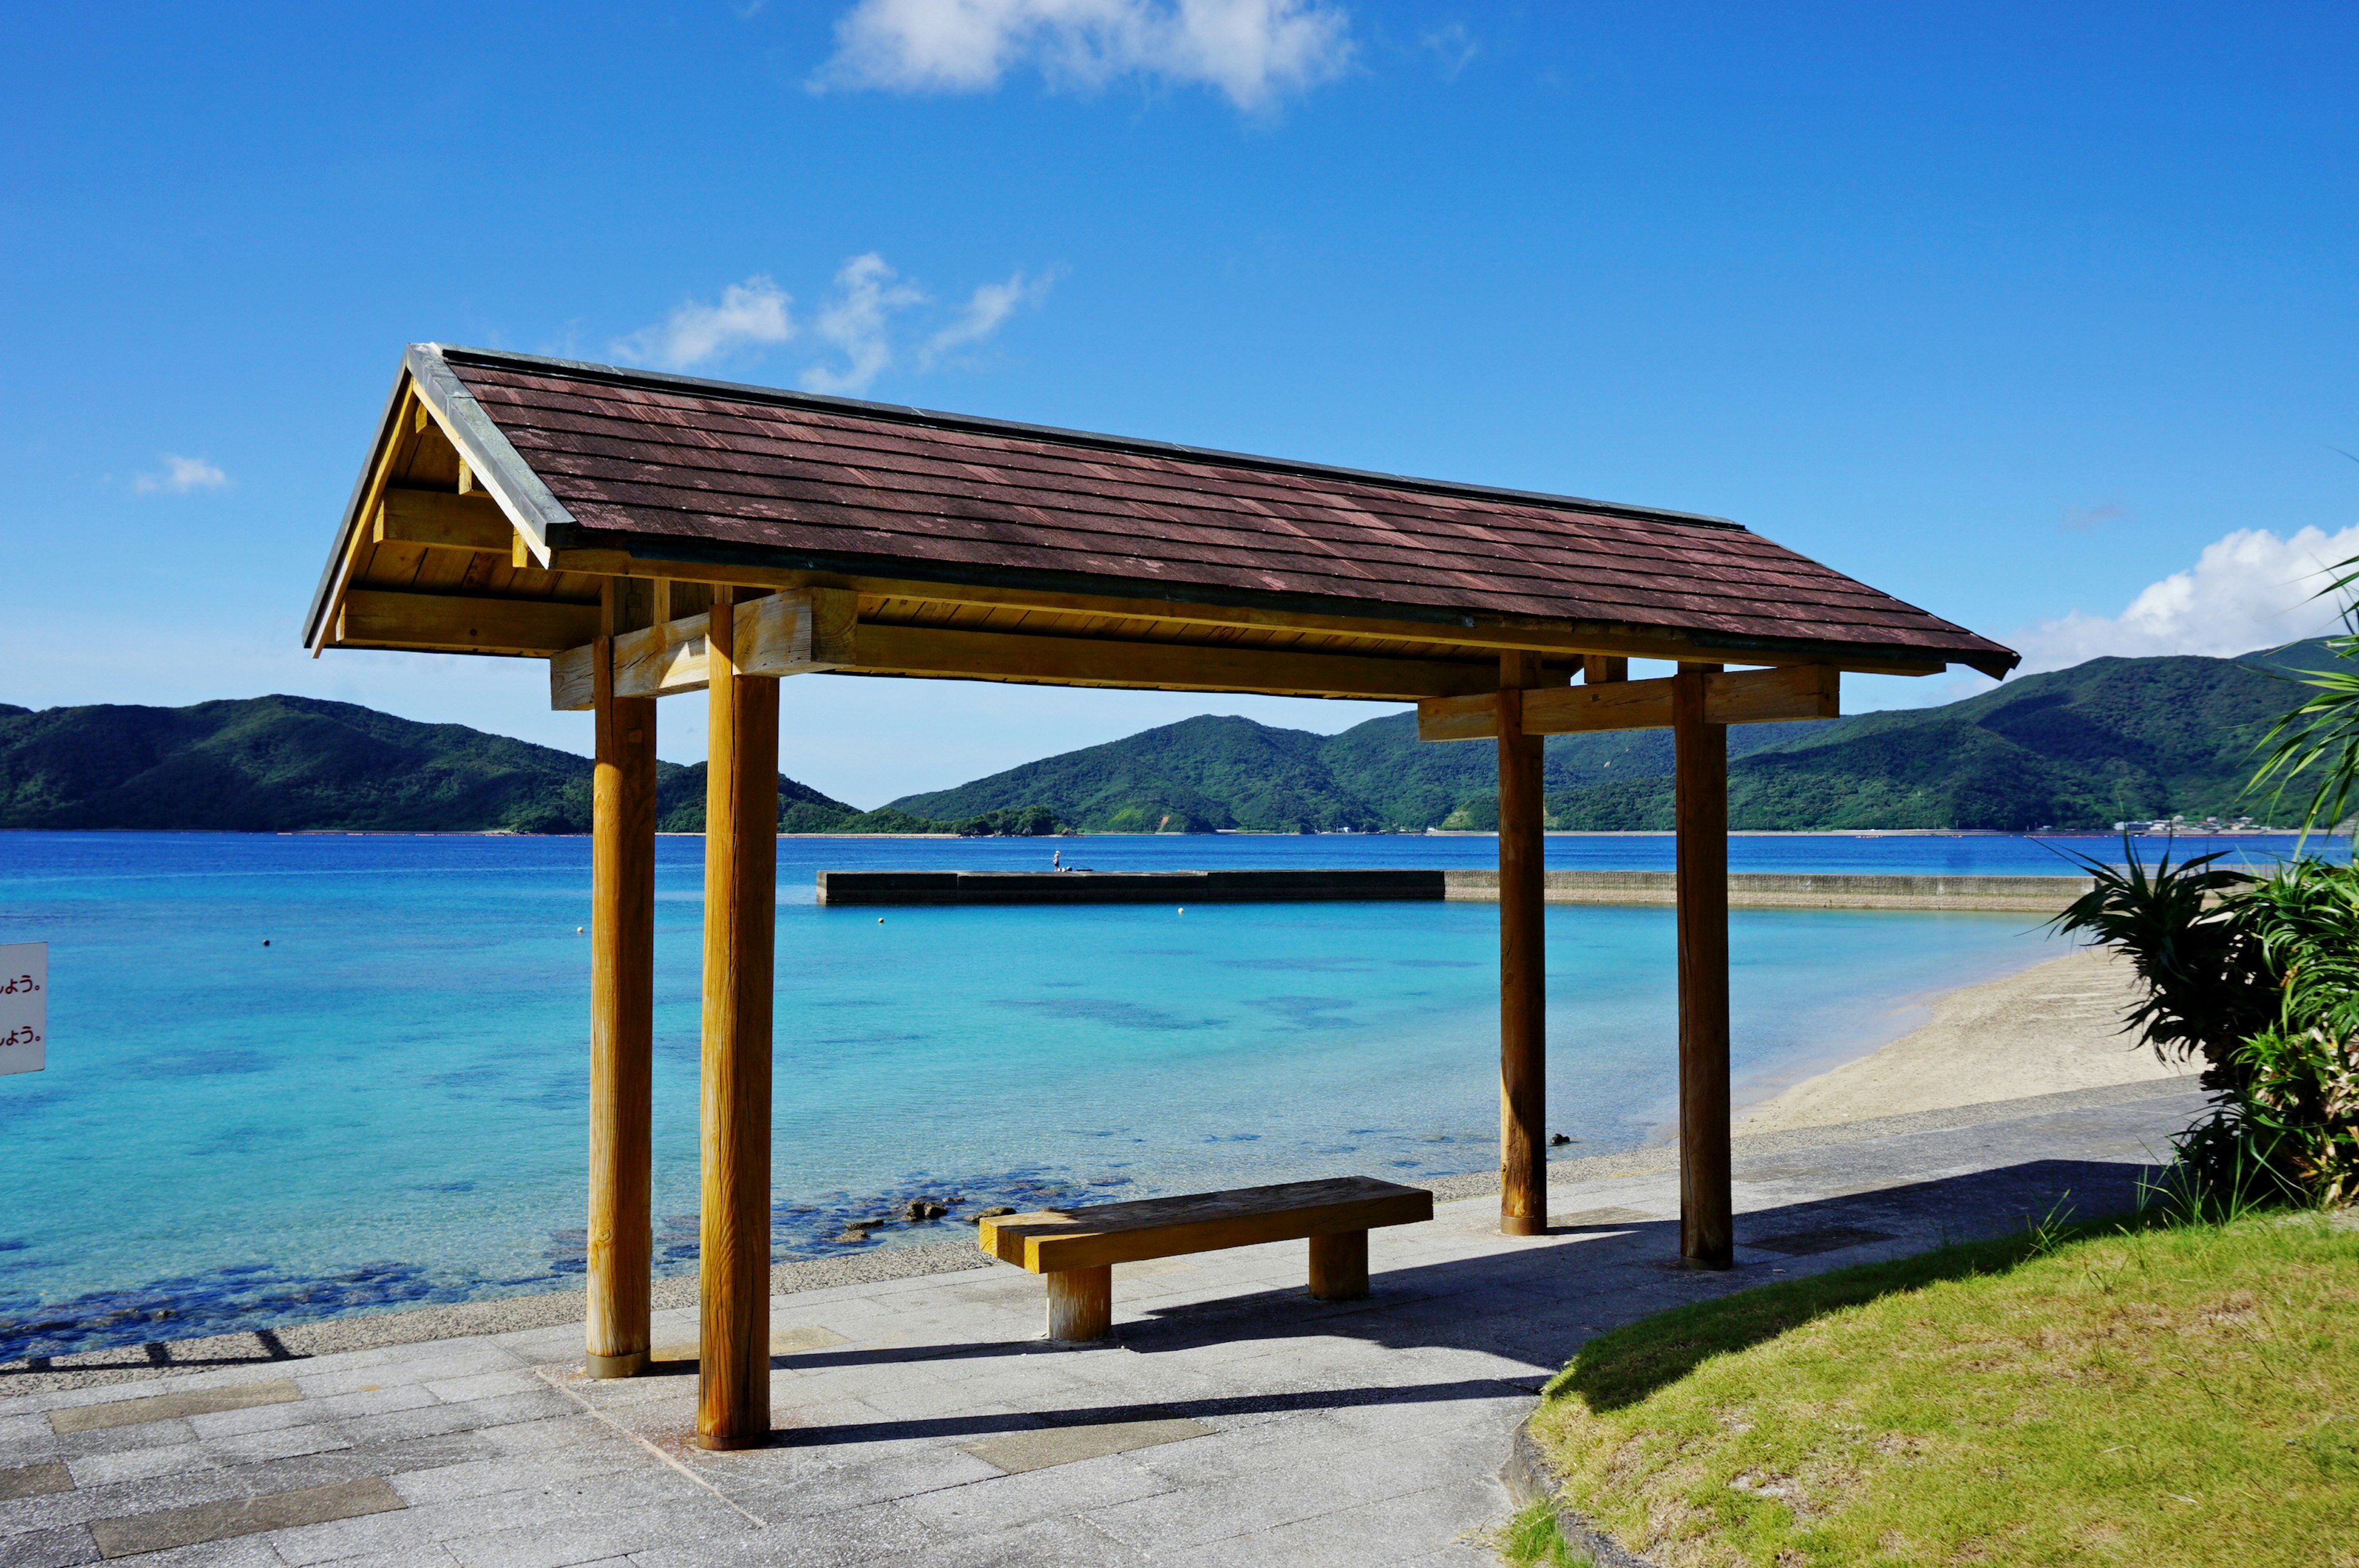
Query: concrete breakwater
[[1754, 890]]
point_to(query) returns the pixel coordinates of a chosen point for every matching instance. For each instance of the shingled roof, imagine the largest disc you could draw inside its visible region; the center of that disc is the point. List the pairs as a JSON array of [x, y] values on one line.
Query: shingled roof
[[661, 468]]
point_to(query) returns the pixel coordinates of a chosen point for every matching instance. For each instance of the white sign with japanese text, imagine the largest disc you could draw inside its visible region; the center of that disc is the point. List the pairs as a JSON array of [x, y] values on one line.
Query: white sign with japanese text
[[24, 1005]]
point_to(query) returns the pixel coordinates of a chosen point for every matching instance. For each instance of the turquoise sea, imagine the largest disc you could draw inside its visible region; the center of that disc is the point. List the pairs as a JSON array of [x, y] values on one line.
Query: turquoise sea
[[384, 1105]]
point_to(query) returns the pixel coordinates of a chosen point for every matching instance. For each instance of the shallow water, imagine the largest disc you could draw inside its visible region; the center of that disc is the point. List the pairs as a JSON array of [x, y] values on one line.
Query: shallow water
[[386, 1105]]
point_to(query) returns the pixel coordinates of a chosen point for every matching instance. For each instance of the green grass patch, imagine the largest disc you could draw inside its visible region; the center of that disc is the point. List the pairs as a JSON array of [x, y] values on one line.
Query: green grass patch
[[2157, 1396], [1531, 1540]]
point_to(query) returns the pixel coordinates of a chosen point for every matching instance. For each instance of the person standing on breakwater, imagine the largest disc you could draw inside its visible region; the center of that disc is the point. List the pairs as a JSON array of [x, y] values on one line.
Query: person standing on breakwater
[[1057, 860]]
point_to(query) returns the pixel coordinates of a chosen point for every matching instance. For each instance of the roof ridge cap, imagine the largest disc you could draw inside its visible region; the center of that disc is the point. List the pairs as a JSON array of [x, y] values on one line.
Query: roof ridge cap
[[909, 414]]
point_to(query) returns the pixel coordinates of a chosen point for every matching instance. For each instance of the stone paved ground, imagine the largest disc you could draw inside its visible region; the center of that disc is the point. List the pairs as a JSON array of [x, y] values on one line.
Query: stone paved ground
[[923, 1421]]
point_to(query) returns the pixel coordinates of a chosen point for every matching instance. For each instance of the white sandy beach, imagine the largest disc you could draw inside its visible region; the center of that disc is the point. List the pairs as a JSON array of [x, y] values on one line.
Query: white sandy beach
[[2055, 1026]]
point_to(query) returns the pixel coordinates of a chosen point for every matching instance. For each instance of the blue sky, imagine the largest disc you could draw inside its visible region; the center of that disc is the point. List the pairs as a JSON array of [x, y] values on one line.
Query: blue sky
[[2041, 317]]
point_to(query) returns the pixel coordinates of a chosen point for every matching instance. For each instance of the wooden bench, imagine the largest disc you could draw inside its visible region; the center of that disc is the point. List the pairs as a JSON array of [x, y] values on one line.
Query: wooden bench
[[1076, 1249]]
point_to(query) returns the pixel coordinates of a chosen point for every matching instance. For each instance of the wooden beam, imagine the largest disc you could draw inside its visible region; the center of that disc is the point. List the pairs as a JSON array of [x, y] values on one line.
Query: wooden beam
[[741, 874], [1552, 639], [1162, 666], [1701, 779], [389, 451], [1736, 696], [442, 521], [1596, 669], [622, 1022], [1772, 697], [800, 632], [377, 618], [777, 634], [1523, 963]]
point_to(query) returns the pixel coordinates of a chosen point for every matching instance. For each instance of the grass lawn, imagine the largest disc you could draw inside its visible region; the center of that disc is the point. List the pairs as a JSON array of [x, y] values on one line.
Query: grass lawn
[[2166, 1395]]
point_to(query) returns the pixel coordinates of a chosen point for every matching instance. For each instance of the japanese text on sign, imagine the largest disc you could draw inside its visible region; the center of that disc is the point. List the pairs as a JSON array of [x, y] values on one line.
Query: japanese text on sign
[[24, 1009]]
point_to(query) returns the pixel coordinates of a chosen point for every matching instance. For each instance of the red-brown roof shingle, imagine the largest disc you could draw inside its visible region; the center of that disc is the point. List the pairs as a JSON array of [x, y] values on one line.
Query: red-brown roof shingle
[[872, 488]]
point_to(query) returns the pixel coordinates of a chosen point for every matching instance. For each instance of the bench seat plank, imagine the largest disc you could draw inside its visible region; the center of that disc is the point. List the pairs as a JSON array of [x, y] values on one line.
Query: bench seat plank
[[1052, 1241]]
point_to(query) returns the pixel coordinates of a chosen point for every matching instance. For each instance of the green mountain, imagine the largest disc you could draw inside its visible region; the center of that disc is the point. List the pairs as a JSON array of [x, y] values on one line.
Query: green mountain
[[2105, 741], [284, 764], [2109, 739]]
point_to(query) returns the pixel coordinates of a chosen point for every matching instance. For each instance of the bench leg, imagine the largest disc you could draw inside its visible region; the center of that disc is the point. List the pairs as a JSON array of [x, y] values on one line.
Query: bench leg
[[1080, 1302], [1339, 1266]]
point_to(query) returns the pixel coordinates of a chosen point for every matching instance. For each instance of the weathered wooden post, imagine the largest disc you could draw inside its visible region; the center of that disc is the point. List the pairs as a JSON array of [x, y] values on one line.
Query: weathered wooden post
[[1523, 970], [622, 1004], [1707, 1235], [741, 866]]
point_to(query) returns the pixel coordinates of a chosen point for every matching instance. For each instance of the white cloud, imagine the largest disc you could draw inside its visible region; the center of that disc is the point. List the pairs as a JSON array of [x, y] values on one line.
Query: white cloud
[[2249, 590], [180, 475], [986, 309], [864, 319], [859, 321], [752, 314], [1453, 45], [1251, 50]]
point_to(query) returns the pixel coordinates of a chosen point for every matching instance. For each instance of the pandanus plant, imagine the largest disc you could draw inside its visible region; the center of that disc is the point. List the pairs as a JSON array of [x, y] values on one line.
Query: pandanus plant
[[2259, 976], [2260, 979]]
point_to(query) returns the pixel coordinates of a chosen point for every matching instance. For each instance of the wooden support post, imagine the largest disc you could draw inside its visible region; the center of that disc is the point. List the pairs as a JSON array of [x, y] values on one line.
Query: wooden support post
[[1707, 1232], [741, 870], [1339, 1266], [622, 1021], [1522, 978], [1080, 1302], [1597, 669]]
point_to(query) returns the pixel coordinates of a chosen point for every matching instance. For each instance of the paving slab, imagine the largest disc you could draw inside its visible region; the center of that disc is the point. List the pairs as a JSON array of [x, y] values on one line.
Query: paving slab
[[920, 1417]]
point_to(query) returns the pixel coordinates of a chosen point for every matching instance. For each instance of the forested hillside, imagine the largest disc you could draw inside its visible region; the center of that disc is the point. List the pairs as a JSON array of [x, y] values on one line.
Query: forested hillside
[[291, 763], [2105, 741], [2085, 747]]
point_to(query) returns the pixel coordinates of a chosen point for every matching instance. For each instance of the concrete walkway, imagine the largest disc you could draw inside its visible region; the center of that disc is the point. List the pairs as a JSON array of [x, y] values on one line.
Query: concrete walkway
[[922, 1420]]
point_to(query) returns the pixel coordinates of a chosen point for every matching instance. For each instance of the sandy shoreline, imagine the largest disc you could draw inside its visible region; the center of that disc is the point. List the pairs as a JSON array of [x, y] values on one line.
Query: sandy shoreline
[[2053, 1027]]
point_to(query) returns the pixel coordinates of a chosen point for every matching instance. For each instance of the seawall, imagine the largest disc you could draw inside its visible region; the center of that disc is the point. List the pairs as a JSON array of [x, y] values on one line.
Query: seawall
[[1753, 890]]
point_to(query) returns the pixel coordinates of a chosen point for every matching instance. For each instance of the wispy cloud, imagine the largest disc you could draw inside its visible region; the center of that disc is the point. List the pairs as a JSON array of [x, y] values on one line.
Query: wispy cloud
[[1452, 45], [983, 313], [180, 475], [1251, 50], [874, 321], [859, 321], [2248, 590], [749, 315]]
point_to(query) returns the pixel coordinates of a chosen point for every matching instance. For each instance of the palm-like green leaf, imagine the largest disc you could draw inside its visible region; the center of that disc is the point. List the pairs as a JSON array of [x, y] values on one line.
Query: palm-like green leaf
[[2318, 742], [2205, 977]]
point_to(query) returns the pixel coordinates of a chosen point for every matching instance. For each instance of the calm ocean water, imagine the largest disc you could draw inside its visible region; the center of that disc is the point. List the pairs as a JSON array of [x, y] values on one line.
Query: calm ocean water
[[385, 1106]]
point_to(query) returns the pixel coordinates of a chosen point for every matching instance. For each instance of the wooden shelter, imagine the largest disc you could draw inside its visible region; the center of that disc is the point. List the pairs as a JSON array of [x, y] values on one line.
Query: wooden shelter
[[651, 535]]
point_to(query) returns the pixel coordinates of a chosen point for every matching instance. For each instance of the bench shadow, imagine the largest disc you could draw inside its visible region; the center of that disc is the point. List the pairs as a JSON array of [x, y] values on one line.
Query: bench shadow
[[1517, 1302], [1535, 1307], [156, 1354]]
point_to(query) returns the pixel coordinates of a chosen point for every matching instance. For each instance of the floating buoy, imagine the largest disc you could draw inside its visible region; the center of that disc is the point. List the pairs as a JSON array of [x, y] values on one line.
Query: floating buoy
[[265, 941], [1183, 908], [880, 920], [578, 930]]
